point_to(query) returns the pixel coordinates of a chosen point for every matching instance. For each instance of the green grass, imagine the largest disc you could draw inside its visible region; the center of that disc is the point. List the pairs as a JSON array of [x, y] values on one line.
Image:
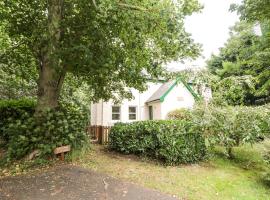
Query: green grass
[[217, 178]]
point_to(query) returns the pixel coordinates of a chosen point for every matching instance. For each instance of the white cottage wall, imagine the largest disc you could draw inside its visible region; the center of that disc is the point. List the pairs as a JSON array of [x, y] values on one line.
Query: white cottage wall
[[93, 113], [101, 112], [157, 110], [179, 97], [96, 113]]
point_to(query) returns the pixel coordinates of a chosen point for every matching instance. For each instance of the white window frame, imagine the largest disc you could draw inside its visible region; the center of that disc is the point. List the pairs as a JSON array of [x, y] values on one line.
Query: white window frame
[[132, 113], [116, 113]]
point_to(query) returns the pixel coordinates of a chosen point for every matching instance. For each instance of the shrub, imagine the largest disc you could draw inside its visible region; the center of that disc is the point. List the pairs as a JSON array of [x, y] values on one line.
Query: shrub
[[171, 141], [11, 110], [232, 126], [181, 114], [25, 133]]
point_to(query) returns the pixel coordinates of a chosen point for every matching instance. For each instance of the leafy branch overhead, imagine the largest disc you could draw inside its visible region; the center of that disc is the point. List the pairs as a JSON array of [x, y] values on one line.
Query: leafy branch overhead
[[111, 44]]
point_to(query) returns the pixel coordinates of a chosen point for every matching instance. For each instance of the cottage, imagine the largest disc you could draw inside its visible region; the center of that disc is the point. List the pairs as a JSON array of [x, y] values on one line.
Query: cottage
[[154, 104]]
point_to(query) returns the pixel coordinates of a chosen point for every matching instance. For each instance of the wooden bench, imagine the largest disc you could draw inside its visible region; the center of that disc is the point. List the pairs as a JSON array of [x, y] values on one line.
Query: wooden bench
[[62, 150]]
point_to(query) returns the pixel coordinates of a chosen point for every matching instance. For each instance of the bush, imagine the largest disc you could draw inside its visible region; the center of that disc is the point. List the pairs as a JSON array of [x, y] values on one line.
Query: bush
[[180, 114], [25, 133], [232, 126], [11, 110], [171, 141]]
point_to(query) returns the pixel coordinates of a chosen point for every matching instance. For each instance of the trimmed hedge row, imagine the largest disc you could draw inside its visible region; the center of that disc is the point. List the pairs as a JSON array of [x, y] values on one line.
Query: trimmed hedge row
[[11, 110], [24, 133], [173, 142]]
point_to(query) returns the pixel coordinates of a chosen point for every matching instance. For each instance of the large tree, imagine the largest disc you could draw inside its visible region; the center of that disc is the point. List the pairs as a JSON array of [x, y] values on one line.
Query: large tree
[[17, 72], [113, 44], [245, 60], [253, 10]]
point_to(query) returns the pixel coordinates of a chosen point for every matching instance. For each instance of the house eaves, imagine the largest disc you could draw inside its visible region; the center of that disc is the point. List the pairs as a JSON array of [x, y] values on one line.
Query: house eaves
[[166, 88]]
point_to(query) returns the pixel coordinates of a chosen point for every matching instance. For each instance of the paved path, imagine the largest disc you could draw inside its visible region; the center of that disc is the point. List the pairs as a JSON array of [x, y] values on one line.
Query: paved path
[[73, 183]]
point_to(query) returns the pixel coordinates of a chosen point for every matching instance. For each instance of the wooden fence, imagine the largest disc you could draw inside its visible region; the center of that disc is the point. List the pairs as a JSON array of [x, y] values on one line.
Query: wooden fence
[[99, 133]]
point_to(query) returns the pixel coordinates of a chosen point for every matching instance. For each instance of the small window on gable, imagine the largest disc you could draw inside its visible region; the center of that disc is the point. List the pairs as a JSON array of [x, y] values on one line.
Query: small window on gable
[[116, 112], [132, 112]]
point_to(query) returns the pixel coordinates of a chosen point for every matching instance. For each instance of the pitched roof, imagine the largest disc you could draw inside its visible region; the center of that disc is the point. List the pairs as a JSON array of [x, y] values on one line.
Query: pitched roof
[[161, 91], [165, 89]]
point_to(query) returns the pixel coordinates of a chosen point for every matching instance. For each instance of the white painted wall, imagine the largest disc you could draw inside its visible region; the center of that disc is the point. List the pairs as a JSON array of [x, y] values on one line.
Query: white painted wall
[[97, 113], [101, 112], [179, 97], [157, 110]]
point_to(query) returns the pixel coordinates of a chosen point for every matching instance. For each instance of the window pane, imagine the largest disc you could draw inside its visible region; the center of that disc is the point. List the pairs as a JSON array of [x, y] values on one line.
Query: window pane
[[115, 116], [132, 109], [116, 109], [132, 116]]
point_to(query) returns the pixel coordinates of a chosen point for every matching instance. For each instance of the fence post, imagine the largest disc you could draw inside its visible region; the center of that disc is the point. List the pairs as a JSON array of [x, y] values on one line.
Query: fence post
[[102, 134]]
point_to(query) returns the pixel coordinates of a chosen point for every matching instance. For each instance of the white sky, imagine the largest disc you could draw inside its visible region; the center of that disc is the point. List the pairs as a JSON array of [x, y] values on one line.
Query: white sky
[[209, 28]]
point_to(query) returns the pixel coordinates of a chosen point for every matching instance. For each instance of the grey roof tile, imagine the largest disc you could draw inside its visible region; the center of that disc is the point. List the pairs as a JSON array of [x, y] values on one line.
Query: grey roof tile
[[161, 91]]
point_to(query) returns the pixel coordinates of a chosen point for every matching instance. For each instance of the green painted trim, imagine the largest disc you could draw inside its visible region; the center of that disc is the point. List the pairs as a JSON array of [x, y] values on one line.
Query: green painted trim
[[179, 78], [167, 92], [196, 96]]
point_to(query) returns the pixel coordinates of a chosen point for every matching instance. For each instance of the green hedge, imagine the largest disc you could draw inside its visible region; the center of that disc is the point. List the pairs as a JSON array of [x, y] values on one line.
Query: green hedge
[[173, 142], [11, 110], [25, 133]]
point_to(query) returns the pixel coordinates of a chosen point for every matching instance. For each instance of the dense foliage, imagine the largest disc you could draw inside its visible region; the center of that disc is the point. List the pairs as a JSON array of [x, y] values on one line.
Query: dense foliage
[[253, 10], [23, 133], [179, 114], [18, 72], [111, 44], [247, 53], [244, 60], [233, 91], [229, 126], [12, 110], [173, 142]]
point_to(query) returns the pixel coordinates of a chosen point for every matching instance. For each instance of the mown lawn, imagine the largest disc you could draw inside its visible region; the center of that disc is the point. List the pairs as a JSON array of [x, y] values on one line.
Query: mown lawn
[[217, 178]]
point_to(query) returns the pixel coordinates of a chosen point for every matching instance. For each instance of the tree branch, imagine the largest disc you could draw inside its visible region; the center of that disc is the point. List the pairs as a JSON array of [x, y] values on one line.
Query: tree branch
[[94, 3], [132, 7]]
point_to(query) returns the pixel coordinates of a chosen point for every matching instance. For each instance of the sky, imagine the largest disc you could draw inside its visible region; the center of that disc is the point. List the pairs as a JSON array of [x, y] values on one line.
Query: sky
[[210, 28]]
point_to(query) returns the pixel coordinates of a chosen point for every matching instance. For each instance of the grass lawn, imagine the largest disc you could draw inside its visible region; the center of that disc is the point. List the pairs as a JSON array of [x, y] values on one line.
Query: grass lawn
[[218, 178]]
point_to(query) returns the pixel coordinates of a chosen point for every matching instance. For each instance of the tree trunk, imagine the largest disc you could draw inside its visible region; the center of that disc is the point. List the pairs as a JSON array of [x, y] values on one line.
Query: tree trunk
[[49, 87], [230, 153], [51, 71]]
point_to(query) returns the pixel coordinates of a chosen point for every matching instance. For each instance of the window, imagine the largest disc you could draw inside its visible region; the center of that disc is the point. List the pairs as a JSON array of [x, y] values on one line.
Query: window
[[116, 112], [132, 112]]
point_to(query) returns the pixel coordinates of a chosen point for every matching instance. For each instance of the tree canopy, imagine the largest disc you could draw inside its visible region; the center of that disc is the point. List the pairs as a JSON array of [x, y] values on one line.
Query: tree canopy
[[243, 64], [112, 45], [253, 10], [245, 60]]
